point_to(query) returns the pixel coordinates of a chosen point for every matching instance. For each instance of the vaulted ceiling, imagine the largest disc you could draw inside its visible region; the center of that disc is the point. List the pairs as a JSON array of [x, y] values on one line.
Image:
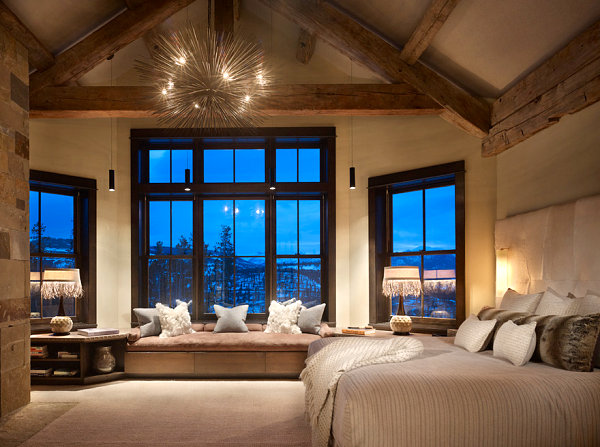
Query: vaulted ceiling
[[459, 56]]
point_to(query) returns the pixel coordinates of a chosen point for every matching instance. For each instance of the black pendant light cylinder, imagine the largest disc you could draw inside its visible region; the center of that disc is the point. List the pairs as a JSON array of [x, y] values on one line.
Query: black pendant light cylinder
[[352, 178], [272, 179], [187, 180], [111, 179]]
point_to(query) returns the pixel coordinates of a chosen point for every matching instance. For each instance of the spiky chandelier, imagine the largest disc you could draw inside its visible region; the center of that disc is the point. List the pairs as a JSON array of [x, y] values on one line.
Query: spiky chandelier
[[205, 79]]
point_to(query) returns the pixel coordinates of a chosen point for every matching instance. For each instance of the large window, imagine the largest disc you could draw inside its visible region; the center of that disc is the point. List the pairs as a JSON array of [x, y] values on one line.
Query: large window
[[256, 225], [62, 235], [417, 219]]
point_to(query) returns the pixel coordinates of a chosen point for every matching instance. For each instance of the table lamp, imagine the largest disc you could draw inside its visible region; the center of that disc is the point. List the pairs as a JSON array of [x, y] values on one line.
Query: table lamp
[[61, 283], [401, 281]]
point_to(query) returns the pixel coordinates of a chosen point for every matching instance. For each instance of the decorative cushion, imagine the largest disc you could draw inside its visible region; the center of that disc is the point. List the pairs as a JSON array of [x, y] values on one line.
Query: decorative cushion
[[586, 305], [231, 319], [501, 316], [473, 334], [149, 321], [567, 342], [515, 343], [283, 318], [517, 302], [552, 303], [309, 320], [174, 321]]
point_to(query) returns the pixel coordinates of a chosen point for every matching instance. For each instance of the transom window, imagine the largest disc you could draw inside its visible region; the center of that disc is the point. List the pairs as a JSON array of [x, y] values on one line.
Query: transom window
[[233, 239]]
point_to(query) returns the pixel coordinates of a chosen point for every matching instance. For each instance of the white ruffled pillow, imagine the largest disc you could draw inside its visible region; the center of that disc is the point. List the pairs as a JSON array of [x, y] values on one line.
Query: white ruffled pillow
[[283, 317], [176, 321]]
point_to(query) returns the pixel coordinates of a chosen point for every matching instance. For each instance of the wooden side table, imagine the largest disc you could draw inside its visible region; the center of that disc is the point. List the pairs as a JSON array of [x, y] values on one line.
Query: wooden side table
[[84, 347], [378, 334]]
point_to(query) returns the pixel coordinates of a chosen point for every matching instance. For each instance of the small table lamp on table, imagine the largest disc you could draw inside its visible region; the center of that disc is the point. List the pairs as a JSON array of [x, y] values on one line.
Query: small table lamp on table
[[402, 281], [61, 283]]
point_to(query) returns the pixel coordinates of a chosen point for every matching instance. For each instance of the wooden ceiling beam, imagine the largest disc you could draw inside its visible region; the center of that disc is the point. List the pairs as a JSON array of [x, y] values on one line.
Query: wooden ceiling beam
[[224, 16], [565, 83], [436, 15], [94, 49], [285, 100], [39, 57], [355, 41], [306, 46]]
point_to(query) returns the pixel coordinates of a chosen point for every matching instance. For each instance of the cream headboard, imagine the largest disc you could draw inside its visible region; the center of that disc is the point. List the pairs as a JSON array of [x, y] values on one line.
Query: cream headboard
[[556, 247]]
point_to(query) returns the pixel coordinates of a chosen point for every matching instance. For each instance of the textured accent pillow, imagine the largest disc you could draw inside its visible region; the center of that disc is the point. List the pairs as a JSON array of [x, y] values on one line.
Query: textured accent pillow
[[552, 303], [283, 319], [586, 305], [501, 316], [309, 320], [176, 321], [473, 334], [517, 302], [565, 342], [149, 321], [231, 319], [515, 343]]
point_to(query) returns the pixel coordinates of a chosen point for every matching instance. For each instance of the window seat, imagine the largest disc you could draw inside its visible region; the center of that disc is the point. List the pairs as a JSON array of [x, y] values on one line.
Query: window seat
[[205, 354]]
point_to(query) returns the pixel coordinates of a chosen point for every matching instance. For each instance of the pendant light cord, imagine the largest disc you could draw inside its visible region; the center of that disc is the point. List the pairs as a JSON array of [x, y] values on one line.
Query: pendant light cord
[[351, 120], [111, 124]]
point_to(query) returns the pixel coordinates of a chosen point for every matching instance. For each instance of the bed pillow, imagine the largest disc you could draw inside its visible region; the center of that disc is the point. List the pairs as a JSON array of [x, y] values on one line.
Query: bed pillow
[[515, 343], [231, 319], [585, 305], [283, 319], [553, 303], [176, 321], [517, 302], [501, 316], [473, 334], [309, 320], [149, 321], [567, 342]]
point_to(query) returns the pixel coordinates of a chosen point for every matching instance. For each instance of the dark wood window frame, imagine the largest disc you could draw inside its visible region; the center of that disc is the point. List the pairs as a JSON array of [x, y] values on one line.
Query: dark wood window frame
[[142, 190], [381, 189], [84, 192]]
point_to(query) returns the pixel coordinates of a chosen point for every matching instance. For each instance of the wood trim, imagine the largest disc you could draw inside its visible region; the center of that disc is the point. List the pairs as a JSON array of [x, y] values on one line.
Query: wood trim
[[293, 99], [417, 174], [128, 26], [355, 41], [223, 16], [236, 132], [435, 16]]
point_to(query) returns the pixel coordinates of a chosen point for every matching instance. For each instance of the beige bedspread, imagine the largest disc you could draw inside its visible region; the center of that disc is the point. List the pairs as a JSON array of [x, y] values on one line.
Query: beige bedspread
[[450, 397]]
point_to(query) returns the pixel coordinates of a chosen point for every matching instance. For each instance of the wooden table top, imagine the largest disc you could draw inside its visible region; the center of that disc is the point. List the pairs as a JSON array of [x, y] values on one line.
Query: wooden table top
[[73, 337]]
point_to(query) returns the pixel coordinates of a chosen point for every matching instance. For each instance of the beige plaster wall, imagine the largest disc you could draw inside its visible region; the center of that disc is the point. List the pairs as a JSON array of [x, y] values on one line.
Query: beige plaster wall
[[557, 165], [381, 145]]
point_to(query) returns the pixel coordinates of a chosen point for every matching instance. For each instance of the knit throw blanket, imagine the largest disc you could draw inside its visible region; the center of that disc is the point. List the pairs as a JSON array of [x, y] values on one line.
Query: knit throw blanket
[[324, 369]]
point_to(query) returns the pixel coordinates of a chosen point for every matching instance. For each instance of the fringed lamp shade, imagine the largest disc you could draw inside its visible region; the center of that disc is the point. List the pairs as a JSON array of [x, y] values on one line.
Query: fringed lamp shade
[[61, 283], [401, 280]]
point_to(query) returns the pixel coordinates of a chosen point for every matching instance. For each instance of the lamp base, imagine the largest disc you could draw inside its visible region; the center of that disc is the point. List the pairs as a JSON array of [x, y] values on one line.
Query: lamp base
[[61, 325], [401, 324]]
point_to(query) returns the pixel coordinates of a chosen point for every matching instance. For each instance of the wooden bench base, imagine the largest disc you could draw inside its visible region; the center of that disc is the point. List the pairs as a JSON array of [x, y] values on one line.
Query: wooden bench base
[[220, 364]]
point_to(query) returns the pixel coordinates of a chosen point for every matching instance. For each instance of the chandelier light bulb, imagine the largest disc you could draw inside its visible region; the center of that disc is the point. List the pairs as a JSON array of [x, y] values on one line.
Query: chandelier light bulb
[[247, 98], [196, 106], [164, 91], [170, 85], [180, 61], [225, 75]]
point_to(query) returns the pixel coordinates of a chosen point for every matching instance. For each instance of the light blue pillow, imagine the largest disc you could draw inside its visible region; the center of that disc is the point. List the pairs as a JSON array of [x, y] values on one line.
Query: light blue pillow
[[309, 320]]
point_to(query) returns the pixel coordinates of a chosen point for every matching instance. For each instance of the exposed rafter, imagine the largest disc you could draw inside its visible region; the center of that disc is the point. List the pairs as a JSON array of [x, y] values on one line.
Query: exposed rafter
[[39, 56], [94, 49], [349, 37], [436, 15], [565, 83], [299, 100], [224, 16]]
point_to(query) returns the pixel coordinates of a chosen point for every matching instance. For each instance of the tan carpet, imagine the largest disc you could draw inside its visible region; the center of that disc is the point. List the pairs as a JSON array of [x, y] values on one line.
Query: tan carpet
[[173, 413]]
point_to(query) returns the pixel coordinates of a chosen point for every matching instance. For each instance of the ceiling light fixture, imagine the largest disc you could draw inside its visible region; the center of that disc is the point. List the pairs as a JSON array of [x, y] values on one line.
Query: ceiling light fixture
[[206, 79], [111, 171], [352, 170]]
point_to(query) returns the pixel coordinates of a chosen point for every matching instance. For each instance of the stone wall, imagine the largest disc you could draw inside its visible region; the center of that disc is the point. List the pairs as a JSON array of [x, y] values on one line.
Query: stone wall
[[14, 224]]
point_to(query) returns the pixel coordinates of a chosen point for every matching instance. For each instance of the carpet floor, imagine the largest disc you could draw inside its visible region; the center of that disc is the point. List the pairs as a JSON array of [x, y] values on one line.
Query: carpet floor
[[174, 413]]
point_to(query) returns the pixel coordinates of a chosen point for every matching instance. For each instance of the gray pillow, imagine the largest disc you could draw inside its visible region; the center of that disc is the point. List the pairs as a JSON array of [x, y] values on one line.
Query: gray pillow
[[231, 319], [309, 319], [148, 320]]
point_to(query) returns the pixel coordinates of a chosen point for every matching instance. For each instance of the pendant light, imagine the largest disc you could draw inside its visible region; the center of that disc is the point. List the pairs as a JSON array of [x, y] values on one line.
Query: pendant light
[[111, 171], [352, 170], [187, 174]]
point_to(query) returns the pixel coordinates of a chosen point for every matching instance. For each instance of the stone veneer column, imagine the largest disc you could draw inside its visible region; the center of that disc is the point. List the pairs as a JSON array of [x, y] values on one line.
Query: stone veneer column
[[14, 224]]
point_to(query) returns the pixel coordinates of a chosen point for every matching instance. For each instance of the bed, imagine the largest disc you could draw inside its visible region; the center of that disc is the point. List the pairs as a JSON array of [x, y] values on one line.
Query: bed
[[448, 396]]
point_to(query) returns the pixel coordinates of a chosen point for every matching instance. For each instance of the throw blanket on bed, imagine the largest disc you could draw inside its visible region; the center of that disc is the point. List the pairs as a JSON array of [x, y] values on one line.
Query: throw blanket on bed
[[324, 369]]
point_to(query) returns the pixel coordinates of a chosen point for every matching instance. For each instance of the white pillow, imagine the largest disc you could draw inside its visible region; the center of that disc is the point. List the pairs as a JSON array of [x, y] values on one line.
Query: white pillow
[[473, 334], [586, 305], [552, 303], [174, 321], [515, 343], [283, 318], [513, 300]]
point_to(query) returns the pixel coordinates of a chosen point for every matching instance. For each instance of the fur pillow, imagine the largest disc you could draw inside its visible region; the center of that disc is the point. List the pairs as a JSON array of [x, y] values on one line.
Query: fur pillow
[[176, 321], [515, 343], [474, 335], [283, 318], [565, 342], [517, 302], [501, 316]]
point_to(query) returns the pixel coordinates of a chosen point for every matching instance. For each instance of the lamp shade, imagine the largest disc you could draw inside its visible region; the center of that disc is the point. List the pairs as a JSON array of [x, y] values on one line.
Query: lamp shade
[[64, 283], [405, 280], [35, 276], [401, 273]]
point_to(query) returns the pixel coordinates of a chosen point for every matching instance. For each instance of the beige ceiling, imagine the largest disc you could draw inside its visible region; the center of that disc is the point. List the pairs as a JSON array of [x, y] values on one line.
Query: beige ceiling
[[485, 45]]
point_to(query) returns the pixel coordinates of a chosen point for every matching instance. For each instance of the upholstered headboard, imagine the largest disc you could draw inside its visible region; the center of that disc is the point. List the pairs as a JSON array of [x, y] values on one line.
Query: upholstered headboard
[[557, 246]]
